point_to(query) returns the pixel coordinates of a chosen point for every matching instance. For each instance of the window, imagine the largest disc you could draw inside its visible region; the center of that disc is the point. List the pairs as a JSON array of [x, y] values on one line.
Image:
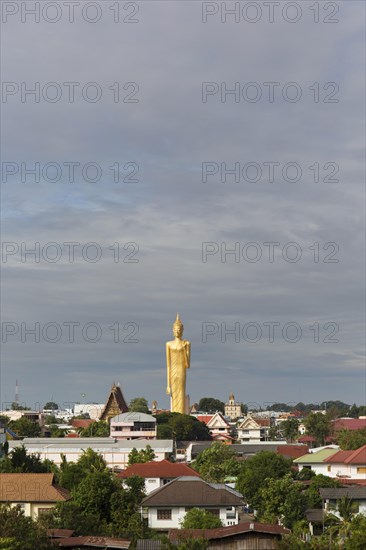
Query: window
[[329, 468], [213, 511], [165, 514], [361, 470]]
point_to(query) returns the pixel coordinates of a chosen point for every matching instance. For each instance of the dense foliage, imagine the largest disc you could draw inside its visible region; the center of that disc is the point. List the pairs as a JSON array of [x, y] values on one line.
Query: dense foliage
[[197, 518], [216, 463], [181, 427]]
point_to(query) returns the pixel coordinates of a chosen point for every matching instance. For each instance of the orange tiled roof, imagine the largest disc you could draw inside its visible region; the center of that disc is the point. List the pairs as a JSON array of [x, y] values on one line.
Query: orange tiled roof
[[30, 488], [349, 457]]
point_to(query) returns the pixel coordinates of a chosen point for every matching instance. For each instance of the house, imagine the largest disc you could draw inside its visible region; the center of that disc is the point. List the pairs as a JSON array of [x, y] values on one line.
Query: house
[[253, 429], [115, 452], [244, 536], [292, 451], [347, 464], [36, 417], [133, 425], [166, 507], [315, 460], [157, 474], [232, 408], [220, 428], [35, 493], [332, 496], [116, 404]]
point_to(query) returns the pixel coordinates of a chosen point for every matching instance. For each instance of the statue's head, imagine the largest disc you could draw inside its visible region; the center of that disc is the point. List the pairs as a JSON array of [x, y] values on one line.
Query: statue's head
[[178, 327]]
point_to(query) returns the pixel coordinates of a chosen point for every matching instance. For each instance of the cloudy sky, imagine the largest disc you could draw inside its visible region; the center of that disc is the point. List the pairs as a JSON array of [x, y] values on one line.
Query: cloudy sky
[[160, 118]]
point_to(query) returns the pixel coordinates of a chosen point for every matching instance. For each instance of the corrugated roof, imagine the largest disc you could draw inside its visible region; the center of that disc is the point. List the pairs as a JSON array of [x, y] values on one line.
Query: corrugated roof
[[356, 492], [223, 532], [357, 456], [30, 488], [94, 542], [316, 458], [191, 491], [133, 417], [162, 469]]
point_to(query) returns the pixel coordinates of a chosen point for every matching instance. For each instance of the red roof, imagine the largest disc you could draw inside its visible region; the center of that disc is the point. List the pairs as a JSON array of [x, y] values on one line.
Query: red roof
[[264, 422], [349, 423], [81, 422], [222, 532], [204, 418], [349, 457], [306, 438], [71, 435], [161, 469], [292, 451]]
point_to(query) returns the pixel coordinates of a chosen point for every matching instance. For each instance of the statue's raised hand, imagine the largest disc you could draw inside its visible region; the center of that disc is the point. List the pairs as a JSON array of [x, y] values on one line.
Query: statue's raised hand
[[168, 390]]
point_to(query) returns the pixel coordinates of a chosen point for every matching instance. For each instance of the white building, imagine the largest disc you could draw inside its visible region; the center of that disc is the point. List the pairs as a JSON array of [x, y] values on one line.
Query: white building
[[253, 429], [166, 507], [156, 474], [133, 425], [94, 410], [332, 496], [115, 452], [347, 464]]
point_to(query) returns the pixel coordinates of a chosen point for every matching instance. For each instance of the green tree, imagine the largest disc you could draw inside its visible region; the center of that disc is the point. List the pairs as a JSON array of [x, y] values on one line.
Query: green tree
[[19, 461], [142, 456], [93, 494], [91, 461], [211, 405], [357, 534], [216, 463], [281, 500], [51, 406], [139, 404], [197, 518], [349, 440], [70, 515], [318, 482], [14, 525], [124, 504], [256, 469], [25, 427], [96, 429], [19, 407], [318, 426], [181, 427], [290, 429]]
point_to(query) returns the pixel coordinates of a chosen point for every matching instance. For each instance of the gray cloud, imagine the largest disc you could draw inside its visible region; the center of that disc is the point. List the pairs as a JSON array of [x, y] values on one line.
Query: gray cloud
[[170, 212]]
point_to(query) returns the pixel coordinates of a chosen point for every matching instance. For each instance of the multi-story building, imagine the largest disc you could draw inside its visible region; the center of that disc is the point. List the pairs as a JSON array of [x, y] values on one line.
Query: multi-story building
[[133, 425]]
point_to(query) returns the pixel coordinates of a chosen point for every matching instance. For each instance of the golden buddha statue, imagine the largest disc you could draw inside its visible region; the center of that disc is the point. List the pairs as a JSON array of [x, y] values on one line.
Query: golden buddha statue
[[178, 357]]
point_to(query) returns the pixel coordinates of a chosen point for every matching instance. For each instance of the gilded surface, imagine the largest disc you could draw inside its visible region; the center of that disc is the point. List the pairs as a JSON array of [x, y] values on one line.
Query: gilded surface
[[178, 356]]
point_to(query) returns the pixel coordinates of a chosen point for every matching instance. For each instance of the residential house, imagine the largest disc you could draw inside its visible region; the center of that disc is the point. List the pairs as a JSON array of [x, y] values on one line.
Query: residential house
[[157, 474], [347, 464], [166, 507], [315, 460], [253, 429], [133, 425], [332, 496], [244, 536], [35, 493], [114, 451], [220, 428]]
